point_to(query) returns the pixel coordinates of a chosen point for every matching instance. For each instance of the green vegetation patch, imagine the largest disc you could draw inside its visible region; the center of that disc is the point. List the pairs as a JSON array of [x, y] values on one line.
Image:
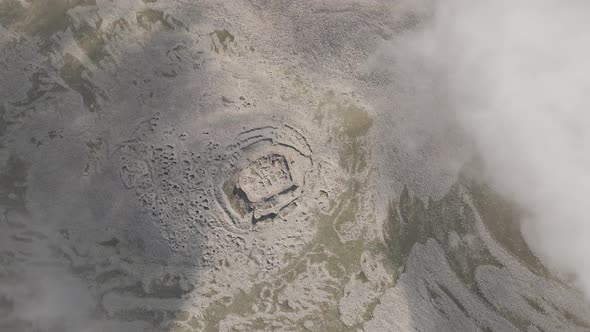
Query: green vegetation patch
[[350, 119], [502, 219], [224, 38], [148, 18], [412, 221], [349, 123]]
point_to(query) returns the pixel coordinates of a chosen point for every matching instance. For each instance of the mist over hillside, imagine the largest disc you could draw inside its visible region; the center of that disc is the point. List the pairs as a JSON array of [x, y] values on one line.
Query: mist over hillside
[[356, 165]]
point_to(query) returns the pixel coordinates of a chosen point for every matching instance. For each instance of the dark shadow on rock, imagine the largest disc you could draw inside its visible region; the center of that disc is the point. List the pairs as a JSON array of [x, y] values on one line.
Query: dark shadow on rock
[[84, 247]]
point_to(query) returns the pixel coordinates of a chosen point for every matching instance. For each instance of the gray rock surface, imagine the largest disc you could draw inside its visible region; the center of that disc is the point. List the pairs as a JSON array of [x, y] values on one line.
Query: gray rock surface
[[242, 166]]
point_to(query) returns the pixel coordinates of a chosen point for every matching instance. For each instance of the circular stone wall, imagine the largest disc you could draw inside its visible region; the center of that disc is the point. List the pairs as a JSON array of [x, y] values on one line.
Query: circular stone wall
[[272, 173], [203, 194]]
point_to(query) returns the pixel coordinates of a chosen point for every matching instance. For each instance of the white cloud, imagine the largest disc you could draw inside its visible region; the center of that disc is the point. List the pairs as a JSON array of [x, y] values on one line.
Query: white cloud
[[516, 75]]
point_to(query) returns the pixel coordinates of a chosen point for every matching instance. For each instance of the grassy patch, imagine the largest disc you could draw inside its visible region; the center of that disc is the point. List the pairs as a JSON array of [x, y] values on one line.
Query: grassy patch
[[224, 38], [147, 18], [349, 123], [502, 219], [411, 221]]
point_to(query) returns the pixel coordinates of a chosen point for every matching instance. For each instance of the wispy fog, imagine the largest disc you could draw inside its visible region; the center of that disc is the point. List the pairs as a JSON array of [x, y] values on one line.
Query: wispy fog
[[516, 77]]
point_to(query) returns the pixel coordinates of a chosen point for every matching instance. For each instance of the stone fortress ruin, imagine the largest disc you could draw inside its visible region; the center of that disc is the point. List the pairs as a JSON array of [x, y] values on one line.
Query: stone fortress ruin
[[269, 180]]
